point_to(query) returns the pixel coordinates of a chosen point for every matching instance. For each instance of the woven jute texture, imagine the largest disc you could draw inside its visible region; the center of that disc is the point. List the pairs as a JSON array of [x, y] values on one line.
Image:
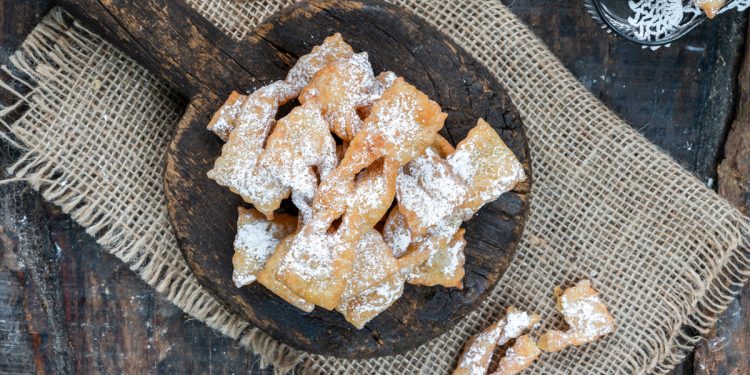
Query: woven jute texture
[[666, 253]]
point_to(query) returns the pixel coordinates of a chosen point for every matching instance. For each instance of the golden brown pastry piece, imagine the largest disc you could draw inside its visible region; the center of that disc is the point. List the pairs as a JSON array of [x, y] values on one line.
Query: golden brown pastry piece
[[256, 239], [321, 258], [428, 192], [373, 263], [477, 354], [711, 7], [267, 277], [341, 89], [518, 357], [374, 284], [444, 267], [238, 166], [586, 315], [225, 119], [317, 265], [443, 187], [332, 49], [299, 152]]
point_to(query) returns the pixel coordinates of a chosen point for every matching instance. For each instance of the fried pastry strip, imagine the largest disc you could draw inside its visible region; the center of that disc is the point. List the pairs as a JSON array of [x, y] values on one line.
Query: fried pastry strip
[[586, 315], [711, 7], [402, 124], [443, 267], [225, 119], [341, 89], [428, 192], [518, 357], [267, 277], [299, 152], [487, 165], [436, 194], [256, 239], [333, 48], [477, 354], [373, 263]]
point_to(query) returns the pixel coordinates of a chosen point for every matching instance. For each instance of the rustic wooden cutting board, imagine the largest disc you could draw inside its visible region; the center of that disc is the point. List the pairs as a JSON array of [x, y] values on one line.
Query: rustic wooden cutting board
[[178, 45]]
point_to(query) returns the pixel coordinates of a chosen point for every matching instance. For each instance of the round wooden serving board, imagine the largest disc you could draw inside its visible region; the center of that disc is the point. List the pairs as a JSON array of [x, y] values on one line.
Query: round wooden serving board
[[205, 214]]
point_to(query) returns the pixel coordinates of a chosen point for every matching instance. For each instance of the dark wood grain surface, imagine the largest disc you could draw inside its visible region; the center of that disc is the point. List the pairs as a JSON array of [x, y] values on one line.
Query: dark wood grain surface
[[682, 98]]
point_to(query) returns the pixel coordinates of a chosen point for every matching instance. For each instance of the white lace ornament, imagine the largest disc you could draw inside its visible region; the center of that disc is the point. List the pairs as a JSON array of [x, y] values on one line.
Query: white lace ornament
[[655, 19]]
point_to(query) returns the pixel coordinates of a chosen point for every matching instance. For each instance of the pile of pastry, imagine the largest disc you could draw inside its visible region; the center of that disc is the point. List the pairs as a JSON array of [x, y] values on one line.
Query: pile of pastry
[[380, 194]]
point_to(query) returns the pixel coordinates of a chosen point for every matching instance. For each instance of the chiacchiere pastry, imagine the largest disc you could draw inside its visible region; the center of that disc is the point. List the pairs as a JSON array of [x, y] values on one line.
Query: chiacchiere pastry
[[381, 196], [586, 315], [588, 318], [711, 7]]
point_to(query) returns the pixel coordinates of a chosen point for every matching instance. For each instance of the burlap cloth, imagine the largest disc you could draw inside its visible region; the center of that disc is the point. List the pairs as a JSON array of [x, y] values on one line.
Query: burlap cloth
[[666, 253]]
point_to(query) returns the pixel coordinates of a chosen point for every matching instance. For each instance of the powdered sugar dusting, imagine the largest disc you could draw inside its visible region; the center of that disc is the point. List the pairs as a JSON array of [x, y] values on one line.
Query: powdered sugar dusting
[[396, 233], [428, 191], [311, 255], [587, 316], [477, 357], [299, 146], [223, 122], [333, 48], [516, 323], [237, 167]]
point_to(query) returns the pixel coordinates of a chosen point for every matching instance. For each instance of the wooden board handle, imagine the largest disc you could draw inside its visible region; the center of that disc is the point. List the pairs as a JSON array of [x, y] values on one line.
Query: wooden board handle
[[177, 44]]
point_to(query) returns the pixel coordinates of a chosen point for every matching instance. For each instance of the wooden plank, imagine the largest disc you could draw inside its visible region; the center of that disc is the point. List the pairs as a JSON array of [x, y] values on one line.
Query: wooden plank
[[726, 349], [571, 35]]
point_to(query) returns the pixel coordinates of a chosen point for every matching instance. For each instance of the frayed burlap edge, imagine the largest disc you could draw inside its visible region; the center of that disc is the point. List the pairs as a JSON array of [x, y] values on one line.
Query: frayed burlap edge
[[42, 60]]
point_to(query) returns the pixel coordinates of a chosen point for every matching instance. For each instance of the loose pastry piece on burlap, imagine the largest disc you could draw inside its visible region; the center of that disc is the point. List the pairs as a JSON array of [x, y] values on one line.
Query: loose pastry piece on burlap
[[299, 152], [238, 166], [518, 357], [267, 277], [341, 89], [586, 315], [477, 354], [321, 258], [333, 48], [256, 239], [402, 124]]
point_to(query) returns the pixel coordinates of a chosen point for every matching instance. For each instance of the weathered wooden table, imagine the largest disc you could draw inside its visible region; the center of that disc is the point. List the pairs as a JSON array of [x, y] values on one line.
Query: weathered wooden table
[[67, 307]]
